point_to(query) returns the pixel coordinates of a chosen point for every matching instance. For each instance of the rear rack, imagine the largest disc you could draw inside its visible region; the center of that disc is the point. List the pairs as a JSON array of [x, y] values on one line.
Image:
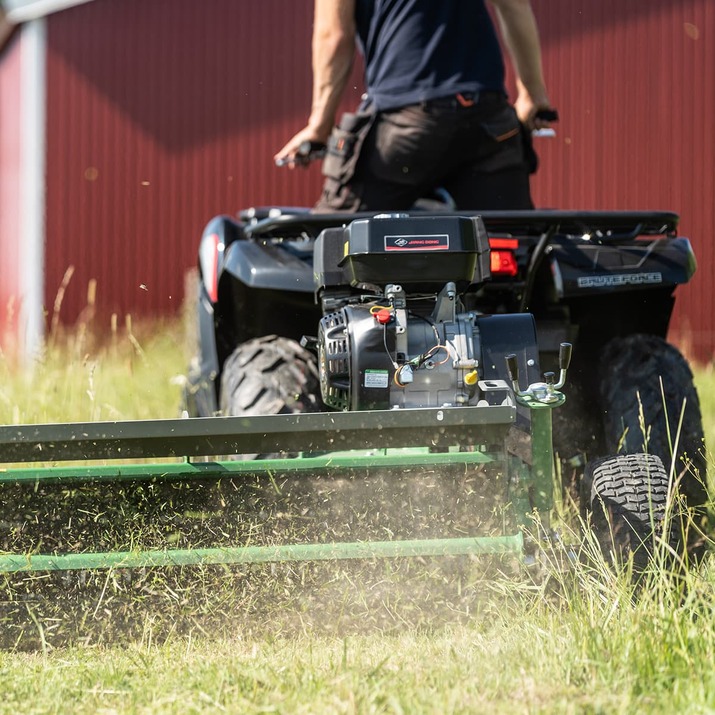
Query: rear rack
[[523, 223]]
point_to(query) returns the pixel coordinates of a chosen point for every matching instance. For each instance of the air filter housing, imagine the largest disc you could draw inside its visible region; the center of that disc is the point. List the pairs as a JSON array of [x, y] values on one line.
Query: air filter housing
[[417, 252]]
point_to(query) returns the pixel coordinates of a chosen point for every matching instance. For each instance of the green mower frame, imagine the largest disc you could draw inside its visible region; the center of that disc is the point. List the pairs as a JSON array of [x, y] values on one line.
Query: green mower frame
[[469, 436]]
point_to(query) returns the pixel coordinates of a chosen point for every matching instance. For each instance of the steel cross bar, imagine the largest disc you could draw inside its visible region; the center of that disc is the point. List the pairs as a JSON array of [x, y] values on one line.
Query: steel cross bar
[[312, 432], [263, 554]]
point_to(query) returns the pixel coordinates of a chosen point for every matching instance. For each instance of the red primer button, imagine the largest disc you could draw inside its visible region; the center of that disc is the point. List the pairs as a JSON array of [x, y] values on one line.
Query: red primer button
[[383, 316]]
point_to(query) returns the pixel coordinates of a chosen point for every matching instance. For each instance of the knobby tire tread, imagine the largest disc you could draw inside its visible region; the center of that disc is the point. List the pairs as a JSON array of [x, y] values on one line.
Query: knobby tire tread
[[269, 375], [646, 370], [625, 497]]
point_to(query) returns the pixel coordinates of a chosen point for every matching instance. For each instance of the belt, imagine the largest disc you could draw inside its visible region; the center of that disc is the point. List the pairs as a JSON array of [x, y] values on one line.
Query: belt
[[462, 100]]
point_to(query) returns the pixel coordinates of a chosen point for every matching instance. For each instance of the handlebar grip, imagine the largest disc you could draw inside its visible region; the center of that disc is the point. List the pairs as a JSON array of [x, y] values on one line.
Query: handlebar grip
[[547, 115], [312, 150], [307, 151]]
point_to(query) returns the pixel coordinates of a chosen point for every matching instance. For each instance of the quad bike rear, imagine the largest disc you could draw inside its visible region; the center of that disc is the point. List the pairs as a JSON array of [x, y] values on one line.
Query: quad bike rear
[[384, 386], [300, 313]]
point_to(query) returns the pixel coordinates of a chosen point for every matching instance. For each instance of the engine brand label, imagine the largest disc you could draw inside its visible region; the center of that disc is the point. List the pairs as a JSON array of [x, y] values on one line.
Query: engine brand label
[[432, 242], [377, 378], [619, 279]]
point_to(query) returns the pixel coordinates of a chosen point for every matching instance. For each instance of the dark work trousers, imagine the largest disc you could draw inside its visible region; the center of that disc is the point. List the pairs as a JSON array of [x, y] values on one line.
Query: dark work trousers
[[472, 147]]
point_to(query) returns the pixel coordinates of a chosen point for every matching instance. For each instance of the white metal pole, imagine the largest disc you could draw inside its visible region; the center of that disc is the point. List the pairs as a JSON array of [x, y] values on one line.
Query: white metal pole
[[33, 88]]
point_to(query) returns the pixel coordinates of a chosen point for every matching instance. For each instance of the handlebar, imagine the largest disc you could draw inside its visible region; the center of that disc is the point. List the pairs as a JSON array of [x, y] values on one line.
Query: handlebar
[[308, 151], [547, 115]]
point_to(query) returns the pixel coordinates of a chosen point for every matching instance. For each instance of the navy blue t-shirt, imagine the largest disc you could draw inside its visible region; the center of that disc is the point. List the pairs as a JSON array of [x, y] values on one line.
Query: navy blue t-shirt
[[416, 50]]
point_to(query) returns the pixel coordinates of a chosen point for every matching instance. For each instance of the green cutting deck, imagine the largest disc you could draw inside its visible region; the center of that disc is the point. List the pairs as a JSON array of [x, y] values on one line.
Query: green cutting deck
[[367, 442]]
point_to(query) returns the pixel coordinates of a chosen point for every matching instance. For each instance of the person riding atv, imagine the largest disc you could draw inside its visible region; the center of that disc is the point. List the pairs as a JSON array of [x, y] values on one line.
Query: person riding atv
[[435, 112]]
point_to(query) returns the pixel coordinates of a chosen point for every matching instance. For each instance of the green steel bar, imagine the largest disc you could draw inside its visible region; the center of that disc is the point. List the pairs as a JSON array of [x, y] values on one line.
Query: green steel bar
[[312, 432], [520, 482], [262, 554], [543, 460], [332, 464]]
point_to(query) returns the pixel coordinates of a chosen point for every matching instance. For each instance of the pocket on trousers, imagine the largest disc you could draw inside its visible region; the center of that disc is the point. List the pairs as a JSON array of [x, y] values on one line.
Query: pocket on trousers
[[344, 146], [503, 126], [504, 147]]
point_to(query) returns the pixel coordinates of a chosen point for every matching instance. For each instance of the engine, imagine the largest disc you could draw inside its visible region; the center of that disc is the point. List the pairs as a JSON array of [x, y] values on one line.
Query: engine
[[382, 354], [394, 331]]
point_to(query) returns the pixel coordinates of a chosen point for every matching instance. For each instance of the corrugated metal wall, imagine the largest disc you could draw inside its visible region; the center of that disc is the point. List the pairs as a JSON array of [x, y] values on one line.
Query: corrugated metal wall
[[10, 127], [633, 81], [163, 113]]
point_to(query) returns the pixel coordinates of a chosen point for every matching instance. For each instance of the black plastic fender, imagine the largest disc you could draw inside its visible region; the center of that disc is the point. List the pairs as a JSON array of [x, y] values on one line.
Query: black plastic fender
[[220, 232], [582, 269], [274, 266], [199, 399]]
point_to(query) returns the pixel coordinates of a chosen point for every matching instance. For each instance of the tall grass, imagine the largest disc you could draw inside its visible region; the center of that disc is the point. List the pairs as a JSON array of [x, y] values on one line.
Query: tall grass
[[128, 373], [705, 383], [424, 636]]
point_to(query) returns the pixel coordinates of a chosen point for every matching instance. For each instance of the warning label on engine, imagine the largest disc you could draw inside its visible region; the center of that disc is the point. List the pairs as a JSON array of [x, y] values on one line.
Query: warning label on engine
[[433, 242], [377, 378]]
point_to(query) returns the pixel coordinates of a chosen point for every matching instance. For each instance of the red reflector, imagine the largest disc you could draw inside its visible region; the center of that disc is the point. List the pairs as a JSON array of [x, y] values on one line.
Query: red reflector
[[210, 266], [502, 259], [511, 243], [503, 263]]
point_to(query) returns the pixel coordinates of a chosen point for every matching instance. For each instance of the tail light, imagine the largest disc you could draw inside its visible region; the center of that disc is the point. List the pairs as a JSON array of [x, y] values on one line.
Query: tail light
[[210, 254], [503, 257]]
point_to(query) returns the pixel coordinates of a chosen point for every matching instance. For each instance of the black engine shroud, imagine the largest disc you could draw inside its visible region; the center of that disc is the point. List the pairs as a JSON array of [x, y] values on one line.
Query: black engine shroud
[[419, 253], [395, 332]]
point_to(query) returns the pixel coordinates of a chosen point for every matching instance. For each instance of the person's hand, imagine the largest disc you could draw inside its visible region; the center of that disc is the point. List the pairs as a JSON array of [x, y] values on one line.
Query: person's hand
[[527, 108], [290, 154]]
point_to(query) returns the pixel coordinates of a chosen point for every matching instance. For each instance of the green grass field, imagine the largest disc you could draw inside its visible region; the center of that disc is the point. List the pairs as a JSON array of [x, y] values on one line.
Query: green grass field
[[423, 636]]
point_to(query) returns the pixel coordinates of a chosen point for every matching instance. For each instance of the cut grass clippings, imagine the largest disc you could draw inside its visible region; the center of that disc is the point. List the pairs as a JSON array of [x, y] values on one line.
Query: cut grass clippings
[[455, 635]]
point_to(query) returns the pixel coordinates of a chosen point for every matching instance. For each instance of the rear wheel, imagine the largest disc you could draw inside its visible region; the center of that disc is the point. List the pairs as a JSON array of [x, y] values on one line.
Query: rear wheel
[[625, 498], [268, 376], [645, 385]]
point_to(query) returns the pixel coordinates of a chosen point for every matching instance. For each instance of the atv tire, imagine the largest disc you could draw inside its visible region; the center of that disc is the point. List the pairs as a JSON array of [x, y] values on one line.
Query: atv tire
[[624, 499], [269, 375], [633, 369]]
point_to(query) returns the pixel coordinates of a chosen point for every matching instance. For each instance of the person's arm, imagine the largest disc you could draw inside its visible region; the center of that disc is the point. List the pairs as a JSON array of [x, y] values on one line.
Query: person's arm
[[333, 50], [521, 37]]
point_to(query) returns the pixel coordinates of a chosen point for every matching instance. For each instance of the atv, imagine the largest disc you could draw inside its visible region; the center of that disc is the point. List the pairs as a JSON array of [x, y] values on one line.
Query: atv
[[471, 317]]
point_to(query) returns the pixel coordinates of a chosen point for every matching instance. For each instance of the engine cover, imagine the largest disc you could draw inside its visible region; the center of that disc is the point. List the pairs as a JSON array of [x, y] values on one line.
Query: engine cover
[[421, 253]]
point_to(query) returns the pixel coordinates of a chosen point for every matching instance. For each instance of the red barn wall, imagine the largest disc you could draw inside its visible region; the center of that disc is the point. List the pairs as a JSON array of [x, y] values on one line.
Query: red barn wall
[[161, 115], [164, 113], [634, 85]]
